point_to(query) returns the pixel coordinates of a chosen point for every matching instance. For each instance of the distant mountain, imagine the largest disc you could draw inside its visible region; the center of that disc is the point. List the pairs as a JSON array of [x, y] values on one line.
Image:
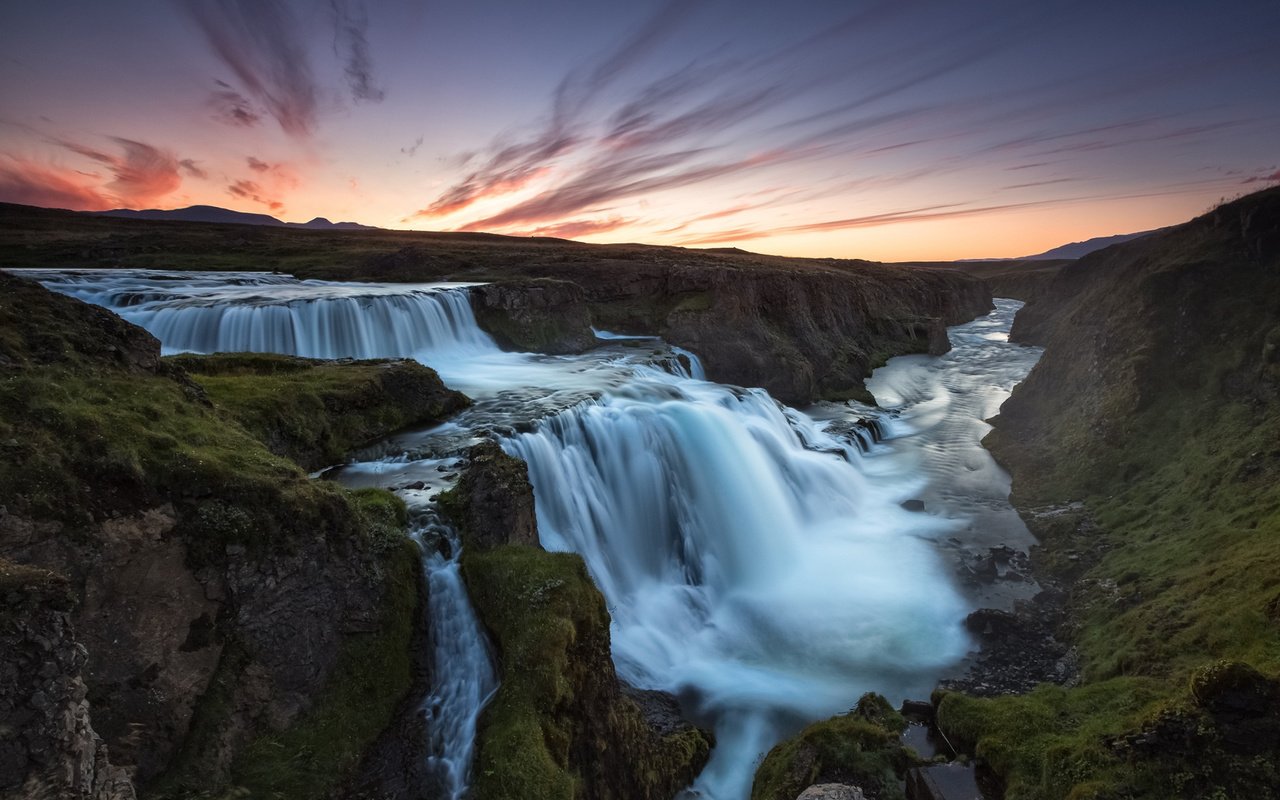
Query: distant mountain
[[226, 215], [1080, 249]]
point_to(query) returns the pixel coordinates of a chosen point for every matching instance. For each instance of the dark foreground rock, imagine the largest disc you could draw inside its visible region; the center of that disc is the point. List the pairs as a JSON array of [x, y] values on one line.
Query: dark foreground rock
[[48, 747], [241, 625], [561, 724]]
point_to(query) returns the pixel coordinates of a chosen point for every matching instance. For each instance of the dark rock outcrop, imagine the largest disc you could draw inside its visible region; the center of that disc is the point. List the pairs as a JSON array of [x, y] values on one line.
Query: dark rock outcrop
[[48, 746], [561, 724], [801, 332], [493, 502]]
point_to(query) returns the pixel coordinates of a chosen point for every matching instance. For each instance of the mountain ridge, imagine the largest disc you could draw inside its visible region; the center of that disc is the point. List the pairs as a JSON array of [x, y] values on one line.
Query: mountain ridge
[[217, 214]]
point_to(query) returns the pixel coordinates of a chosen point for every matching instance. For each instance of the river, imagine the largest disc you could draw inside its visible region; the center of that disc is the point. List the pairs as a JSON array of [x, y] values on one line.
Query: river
[[766, 565]]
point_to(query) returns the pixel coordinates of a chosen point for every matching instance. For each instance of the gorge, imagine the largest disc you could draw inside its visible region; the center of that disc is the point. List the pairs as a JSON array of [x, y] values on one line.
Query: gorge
[[633, 567]]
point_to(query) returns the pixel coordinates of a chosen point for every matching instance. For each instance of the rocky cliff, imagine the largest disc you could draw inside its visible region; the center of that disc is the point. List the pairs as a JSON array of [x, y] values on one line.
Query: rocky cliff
[[236, 623], [48, 747], [561, 724], [802, 329], [1143, 453]]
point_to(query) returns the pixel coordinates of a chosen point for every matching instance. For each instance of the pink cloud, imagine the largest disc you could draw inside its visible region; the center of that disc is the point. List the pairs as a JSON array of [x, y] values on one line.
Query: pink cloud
[[573, 229], [142, 173], [38, 185]]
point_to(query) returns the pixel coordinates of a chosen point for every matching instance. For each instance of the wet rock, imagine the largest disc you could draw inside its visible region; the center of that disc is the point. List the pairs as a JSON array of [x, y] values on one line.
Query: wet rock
[[913, 505], [493, 502], [832, 791], [1019, 649], [917, 709], [943, 782]]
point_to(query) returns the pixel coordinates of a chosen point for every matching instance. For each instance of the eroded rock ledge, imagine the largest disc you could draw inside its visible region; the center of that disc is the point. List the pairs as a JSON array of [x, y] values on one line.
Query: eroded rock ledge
[[561, 724], [800, 328]]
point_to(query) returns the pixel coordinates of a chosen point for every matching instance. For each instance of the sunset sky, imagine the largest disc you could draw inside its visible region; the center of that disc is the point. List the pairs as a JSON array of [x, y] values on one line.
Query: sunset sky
[[885, 130]]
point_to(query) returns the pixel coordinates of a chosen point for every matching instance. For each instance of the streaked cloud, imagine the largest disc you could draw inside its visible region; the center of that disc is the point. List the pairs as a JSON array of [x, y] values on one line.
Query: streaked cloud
[[351, 22], [42, 185], [251, 190], [232, 108], [142, 173], [258, 41]]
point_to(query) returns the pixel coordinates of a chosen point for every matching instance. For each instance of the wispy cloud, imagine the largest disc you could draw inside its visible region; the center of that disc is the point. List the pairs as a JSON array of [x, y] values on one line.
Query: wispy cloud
[[232, 108], [251, 190], [412, 149], [193, 169], [573, 229], [1264, 178], [258, 41], [351, 23]]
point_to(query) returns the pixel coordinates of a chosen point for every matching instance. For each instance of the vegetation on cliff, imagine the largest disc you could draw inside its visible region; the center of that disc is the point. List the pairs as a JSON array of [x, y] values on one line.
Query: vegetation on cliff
[[316, 412], [559, 725], [1156, 408], [245, 626]]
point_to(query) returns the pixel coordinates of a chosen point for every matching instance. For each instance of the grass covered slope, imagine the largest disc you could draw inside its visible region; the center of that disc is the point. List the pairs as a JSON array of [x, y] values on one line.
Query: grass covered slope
[[1156, 407], [315, 412], [245, 626]]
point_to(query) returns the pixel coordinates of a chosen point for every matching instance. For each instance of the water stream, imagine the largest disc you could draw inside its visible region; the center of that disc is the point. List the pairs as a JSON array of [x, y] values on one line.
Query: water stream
[[757, 561]]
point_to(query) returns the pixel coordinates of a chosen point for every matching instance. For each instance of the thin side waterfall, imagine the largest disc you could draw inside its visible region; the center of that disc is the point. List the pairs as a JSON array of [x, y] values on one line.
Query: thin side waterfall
[[463, 678], [260, 312]]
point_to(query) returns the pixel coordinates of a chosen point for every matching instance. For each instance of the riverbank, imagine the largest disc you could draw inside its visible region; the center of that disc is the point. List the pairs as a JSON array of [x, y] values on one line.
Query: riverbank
[[1141, 449]]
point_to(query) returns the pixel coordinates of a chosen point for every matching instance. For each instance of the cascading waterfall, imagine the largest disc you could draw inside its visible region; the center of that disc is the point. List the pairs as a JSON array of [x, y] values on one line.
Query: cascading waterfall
[[462, 669], [268, 313], [761, 578], [756, 560]]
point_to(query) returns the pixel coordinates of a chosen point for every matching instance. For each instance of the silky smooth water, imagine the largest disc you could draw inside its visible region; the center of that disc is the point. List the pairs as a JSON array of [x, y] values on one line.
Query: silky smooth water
[[755, 560]]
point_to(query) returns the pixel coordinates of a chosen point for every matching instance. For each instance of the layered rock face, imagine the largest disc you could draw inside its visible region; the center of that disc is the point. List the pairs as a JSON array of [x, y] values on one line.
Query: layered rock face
[[48, 747], [561, 724], [801, 328]]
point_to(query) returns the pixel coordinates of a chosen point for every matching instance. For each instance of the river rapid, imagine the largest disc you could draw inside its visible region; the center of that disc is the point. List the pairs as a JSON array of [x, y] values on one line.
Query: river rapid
[[757, 560]]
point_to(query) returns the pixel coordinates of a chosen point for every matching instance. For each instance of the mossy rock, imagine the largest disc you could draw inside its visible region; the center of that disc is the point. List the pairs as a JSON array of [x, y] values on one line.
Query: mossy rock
[[861, 748]]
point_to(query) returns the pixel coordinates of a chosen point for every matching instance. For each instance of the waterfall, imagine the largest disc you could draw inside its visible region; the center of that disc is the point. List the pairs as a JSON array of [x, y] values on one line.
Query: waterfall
[[463, 677], [268, 313], [747, 562]]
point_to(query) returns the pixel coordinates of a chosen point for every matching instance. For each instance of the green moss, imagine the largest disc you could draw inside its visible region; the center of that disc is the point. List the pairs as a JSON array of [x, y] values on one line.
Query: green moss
[[861, 747], [316, 412], [1155, 408], [558, 726], [537, 605]]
